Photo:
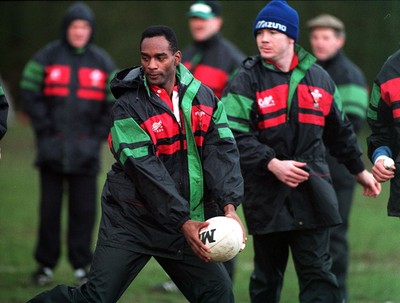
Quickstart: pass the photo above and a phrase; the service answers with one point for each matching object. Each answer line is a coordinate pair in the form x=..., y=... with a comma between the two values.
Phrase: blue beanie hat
x=278, y=15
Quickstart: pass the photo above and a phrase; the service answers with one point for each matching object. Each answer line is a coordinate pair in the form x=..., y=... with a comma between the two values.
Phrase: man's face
x=203, y=29
x=78, y=33
x=273, y=45
x=158, y=62
x=325, y=43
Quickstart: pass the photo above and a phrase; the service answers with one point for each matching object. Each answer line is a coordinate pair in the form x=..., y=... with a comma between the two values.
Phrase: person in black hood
x=78, y=11
x=65, y=93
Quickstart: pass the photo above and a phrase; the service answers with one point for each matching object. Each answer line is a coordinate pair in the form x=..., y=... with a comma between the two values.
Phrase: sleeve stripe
x=129, y=139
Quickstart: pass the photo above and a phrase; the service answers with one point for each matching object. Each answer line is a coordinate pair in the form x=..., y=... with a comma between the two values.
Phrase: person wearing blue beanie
x=285, y=113
x=280, y=16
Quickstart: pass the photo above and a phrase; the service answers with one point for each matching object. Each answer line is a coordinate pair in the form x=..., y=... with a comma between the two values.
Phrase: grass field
x=374, y=240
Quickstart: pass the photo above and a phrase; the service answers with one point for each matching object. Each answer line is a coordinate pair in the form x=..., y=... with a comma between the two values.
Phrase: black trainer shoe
x=81, y=276
x=42, y=276
x=167, y=286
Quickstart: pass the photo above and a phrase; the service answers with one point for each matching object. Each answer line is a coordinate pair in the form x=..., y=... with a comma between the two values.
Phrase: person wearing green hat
x=210, y=57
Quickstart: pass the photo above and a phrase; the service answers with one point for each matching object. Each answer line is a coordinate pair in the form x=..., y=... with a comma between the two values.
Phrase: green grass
x=374, y=240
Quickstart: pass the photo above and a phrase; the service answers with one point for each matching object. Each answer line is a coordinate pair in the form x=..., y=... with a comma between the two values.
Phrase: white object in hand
x=388, y=163
x=224, y=237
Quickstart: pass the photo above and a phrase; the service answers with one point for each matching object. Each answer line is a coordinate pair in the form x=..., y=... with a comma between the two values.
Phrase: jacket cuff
x=179, y=225
x=381, y=152
x=355, y=166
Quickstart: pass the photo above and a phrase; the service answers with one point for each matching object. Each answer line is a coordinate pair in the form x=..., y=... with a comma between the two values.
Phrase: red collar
x=293, y=65
x=162, y=93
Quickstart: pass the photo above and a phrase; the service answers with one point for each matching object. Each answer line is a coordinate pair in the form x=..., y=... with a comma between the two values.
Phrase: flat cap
x=326, y=20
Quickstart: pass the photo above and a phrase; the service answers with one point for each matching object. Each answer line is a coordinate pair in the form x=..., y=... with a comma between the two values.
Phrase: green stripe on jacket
x=32, y=76
x=238, y=112
x=196, y=182
x=354, y=98
x=374, y=101
x=128, y=132
x=221, y=120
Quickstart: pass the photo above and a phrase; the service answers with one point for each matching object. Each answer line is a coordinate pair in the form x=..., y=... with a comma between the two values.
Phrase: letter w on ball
x=207, y=236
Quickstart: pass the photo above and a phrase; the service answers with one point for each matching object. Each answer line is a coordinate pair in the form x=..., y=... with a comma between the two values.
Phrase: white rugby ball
x=224, y=237
x=388, y=163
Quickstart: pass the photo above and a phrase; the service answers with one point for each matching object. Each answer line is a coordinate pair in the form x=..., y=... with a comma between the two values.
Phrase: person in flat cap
x=284, y=109
x=65, y=93
x=327, y=39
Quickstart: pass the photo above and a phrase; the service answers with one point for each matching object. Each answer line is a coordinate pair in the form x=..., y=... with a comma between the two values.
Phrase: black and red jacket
x=352, y=86
x=66, y=95
x=289, y=116
x=213, y=62
x=166, y=171
x=384, y=122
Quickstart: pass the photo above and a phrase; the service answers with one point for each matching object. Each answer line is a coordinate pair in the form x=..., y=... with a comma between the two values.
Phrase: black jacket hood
x=129, y=78
x=81, y=11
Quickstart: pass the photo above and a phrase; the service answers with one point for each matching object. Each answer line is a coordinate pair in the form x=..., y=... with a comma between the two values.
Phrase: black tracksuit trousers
x=82, y=196
x=113, y=270
x=344, y=183
x=312, y=261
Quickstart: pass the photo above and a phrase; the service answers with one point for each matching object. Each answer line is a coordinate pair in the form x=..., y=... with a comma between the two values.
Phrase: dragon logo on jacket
x=200, y=115
x=316, y=96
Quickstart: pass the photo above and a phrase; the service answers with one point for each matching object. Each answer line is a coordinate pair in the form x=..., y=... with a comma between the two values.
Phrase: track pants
x=312, y=262
x=82, y=192
x=113, y=270
x=344, y=184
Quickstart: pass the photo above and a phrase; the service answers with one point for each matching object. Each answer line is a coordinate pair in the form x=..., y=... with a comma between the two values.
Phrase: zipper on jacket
x=68, y=132
x=183, y=182
x=184, y=171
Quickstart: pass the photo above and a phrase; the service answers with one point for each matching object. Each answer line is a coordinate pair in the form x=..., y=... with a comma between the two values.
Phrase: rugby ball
x=223, y=236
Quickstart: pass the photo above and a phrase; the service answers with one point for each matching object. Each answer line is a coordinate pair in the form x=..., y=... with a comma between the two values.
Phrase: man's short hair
x=161, y=30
